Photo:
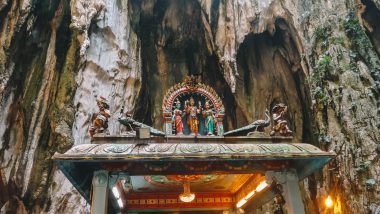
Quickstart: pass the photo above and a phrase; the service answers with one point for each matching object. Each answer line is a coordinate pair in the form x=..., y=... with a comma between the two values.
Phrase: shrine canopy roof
x=174, y=155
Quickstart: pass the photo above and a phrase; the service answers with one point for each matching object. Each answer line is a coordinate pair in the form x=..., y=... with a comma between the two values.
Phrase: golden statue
x=192, y=111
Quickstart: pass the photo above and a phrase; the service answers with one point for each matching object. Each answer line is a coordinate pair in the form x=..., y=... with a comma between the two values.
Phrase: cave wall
x=320, y=57
x=38, y=63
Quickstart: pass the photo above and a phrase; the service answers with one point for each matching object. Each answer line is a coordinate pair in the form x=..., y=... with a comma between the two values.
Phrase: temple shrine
x=194, y=165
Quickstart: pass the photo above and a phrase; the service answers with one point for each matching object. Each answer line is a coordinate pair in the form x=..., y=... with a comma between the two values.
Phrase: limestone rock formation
x=320, y=57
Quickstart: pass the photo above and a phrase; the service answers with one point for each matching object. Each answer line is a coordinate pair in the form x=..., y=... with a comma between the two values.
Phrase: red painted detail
x=181, y=88
x=184, y=177
x=144, y=201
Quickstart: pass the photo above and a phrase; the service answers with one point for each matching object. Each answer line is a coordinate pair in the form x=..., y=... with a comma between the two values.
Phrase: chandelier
x=186, y=196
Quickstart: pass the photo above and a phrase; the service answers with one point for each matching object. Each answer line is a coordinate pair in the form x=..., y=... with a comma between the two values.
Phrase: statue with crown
x=192, y=108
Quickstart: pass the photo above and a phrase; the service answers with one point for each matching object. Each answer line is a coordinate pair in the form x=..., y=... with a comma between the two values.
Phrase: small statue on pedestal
x=192, y=111
x=209, y=119
x=280, y=123
x=100, y=123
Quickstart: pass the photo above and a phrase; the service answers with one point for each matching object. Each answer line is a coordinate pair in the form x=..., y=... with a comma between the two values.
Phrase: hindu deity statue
x=178, y=118
x=209, y=116
x=192, y=111
x=100, y=123
x=280, y=123
x=177, y=104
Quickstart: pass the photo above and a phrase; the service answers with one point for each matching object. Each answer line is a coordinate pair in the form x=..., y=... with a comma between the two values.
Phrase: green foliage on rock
x=362, y=45
x=322, y=32
x=318, y=79
x=363, y=166
x=323, y=63
x=321, y=95
x=338, y=40
x=355, y=31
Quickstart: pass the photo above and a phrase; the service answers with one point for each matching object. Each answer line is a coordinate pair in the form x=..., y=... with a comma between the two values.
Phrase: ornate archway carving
x=202, y=93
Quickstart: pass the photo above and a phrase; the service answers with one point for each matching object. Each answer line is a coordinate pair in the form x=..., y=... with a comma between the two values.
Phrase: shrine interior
x=215, y=189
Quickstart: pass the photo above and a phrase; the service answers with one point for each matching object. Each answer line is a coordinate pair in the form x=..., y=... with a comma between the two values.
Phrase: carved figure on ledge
x=132, y=124
x=177, y=118
x=259, y=125
x=178, y=122
x=100, y=123
x=254, y=127
x=192, y=111
x=209, y=119
x=280, y=123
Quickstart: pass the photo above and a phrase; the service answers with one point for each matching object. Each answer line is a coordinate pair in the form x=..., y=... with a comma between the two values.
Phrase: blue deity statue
x=209, y=119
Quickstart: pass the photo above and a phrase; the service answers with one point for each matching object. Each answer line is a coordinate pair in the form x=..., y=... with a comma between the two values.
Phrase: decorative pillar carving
x=291, y=191
x=113, y=178
x=219, y=122
x=99, y=199
x=127, y=180
x=124, y=177
x=168, y=122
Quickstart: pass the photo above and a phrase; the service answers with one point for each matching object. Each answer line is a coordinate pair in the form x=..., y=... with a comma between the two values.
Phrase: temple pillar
x=291, y=190
x=168, y=117
x=99, y=199
x=219, y=122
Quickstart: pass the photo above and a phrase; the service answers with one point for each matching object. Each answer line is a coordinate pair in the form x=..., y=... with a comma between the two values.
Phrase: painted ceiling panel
x=199, y=183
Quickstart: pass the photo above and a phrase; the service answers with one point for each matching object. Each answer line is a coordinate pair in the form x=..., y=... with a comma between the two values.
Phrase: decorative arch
x=192, y=87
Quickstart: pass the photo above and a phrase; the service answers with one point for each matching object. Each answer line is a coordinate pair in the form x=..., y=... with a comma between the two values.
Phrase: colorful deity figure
x=178, y=118
x=100, y=123
x=192, y=111
x=178, y=122
x=280, y=123
x=209, y=116
x=177, y=104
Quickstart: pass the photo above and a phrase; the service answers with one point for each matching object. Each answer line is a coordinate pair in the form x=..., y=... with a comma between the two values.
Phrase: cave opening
x=174, y=44
x=371, y=17
x=270, y=71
